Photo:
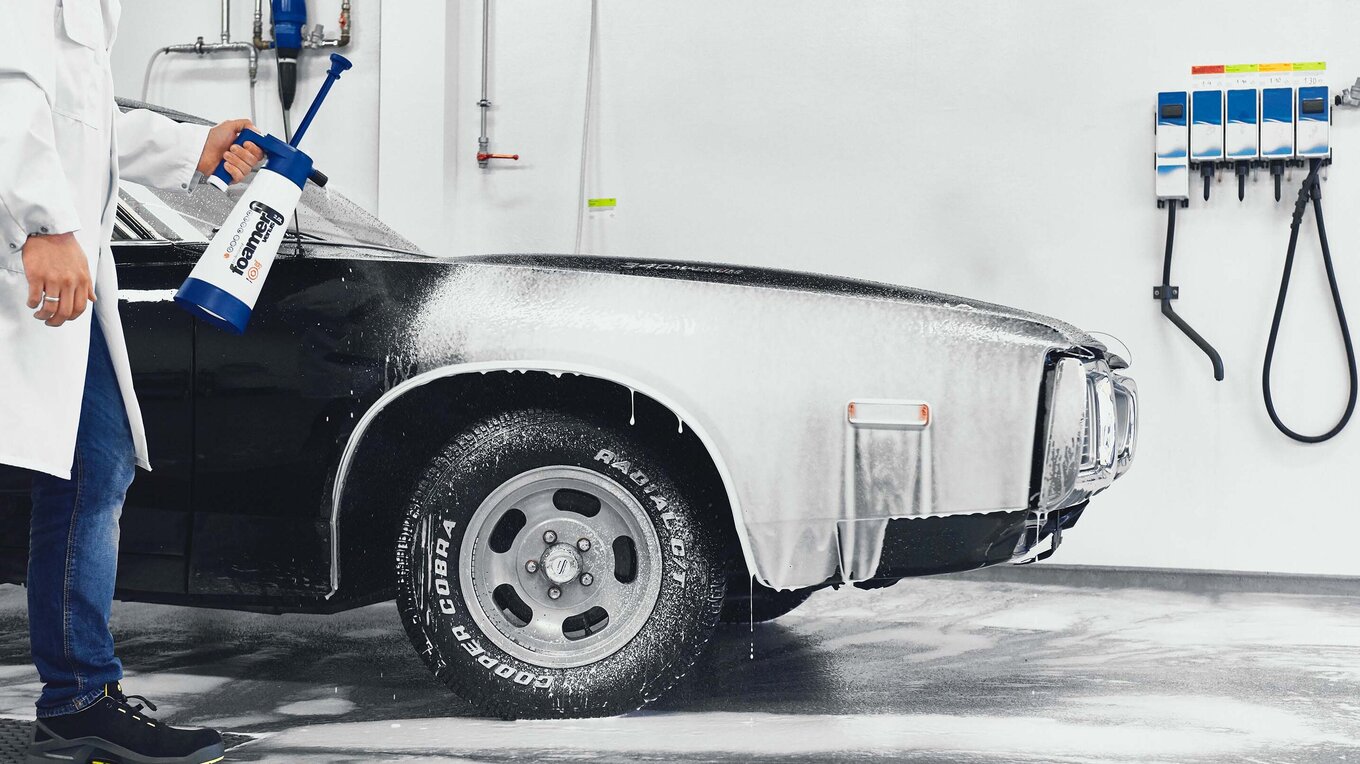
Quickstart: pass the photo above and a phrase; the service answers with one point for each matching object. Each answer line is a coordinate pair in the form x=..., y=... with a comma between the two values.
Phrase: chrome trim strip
x=131, y=214
x=1126, y=403
x=551, y=367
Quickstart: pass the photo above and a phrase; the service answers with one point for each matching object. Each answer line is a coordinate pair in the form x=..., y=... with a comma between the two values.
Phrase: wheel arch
x=386, y=417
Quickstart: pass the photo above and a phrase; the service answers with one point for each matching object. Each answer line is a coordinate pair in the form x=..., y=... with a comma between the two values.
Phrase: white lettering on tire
x=668, y=518
x=466, y=640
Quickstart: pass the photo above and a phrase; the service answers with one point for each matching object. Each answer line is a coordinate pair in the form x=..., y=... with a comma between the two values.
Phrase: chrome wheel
x=560, y=566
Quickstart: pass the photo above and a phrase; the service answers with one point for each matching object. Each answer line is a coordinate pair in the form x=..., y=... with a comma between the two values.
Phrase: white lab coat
x=63, y=143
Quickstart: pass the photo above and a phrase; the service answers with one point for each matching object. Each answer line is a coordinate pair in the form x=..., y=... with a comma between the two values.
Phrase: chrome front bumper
x=1092, y=431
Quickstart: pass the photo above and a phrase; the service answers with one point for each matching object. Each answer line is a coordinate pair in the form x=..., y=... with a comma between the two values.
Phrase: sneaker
x=113, y=730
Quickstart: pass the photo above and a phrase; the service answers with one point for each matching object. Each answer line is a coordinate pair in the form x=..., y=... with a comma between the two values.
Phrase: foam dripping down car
x=567, y=470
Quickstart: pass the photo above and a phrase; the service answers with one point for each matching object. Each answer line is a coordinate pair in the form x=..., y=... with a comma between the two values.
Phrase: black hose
x=1311, y=189
x=1170, y=312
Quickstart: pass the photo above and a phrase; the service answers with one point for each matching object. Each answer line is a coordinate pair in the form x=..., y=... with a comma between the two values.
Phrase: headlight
x=1098, y=431
x=1090, y=432
x=1063, y=433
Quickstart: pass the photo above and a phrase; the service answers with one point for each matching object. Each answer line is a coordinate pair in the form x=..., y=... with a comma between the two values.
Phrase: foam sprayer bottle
x=223, y=287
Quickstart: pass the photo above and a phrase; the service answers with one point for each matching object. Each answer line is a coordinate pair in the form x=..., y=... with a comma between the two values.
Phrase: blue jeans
x=73, y=548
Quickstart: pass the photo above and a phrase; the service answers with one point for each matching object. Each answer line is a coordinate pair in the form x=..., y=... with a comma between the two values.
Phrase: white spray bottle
x=226, y=282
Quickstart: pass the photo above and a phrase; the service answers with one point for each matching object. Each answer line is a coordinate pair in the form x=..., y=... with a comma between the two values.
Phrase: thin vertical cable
x=585, y=126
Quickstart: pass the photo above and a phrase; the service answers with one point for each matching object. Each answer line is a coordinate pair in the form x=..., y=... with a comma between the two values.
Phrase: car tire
x=487, y=621
x=750, y=602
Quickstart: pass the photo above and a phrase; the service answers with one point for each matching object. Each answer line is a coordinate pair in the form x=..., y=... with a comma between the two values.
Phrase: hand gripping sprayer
x=223, y=287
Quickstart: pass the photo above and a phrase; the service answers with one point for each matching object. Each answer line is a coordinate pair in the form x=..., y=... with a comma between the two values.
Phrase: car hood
x=772, y=278
x=1061, y=332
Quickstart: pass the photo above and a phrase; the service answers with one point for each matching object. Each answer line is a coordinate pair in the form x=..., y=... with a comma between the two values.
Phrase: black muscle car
x=555, y=464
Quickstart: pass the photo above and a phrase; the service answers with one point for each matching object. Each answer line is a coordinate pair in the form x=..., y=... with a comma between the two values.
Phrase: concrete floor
x=933, y=670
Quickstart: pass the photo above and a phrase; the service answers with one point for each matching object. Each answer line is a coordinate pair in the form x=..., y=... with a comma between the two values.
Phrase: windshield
x=321, y=215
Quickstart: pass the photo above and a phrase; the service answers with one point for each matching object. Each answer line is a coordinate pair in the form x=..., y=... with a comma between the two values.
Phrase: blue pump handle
x=220, y=177
x=338, y=64
x=281, y=157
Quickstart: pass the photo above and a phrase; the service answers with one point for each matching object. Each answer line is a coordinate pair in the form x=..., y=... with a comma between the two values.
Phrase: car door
x=272, y=409
x=153, y=259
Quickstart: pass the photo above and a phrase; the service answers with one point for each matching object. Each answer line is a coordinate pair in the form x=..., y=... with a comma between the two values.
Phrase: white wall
x=216, y=86
x=986, y=148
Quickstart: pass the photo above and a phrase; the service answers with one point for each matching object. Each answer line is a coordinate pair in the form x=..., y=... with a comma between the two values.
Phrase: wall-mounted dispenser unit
x=1276, y=113
x=1173, y=192
x=1173, y=146
x=1277, y=119
x=1313, y=131
x=1241, y=130
x=1206, y=122
x=1277, y=123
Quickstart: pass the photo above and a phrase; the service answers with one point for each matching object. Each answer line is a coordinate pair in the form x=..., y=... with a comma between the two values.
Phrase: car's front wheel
x=549, y=565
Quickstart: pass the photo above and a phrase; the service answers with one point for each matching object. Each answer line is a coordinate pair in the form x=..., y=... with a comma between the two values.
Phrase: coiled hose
x=1310, y=190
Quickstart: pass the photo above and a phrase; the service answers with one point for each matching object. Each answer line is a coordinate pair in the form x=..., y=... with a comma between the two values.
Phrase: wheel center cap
x=561, y=563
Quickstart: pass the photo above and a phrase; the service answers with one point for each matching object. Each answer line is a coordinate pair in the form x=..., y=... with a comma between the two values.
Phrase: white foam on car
x=146, y=295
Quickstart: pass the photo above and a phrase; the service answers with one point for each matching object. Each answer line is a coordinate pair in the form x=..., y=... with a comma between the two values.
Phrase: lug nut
x=554, y=593
x=549, y=537
x=531, y=566
x=587, y=579
x=583, y=545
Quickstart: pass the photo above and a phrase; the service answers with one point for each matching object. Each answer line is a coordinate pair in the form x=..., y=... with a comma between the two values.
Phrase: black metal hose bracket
x=1165, y=293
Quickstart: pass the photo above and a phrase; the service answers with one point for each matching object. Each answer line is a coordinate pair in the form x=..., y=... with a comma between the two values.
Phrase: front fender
x=550, y=367
x=766, y=373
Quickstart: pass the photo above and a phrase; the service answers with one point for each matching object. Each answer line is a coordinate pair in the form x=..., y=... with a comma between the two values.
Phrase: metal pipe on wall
x=201, y=48
x=258, y=27
x=316, y=39
x=484, y=141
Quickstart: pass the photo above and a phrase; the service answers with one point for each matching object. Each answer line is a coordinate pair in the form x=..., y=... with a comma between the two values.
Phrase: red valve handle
x=482, y=157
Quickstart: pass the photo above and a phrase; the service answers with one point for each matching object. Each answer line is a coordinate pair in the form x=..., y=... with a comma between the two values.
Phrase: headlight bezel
x=1085, y=452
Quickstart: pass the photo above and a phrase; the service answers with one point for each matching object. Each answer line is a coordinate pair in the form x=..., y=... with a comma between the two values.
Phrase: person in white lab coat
x=67, y=407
